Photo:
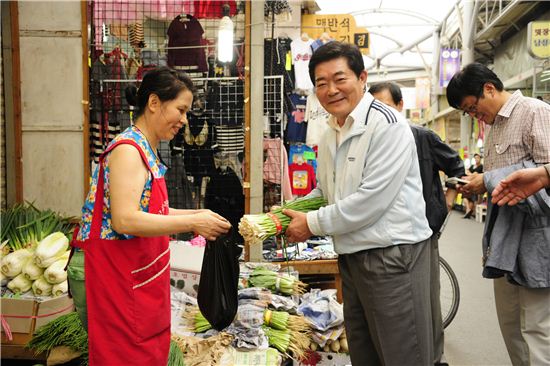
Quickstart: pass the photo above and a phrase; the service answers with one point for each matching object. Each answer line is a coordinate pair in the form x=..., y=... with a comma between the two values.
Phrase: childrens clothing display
x=301, y=152
x=301, y=54
x=317, y=120
x=302, y=178
x=296, y=128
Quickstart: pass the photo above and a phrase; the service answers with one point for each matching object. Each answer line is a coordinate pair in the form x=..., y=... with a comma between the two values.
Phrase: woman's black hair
x=161, y=81
x=334, y=50
x=470, y=81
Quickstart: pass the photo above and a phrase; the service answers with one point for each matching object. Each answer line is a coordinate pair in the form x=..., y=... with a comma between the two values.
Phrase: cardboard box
x=187, y=282
x=186, y=258
x=25, y=316
x=185, y=267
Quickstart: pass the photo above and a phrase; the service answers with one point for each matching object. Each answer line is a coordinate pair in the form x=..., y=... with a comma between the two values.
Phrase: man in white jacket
x=368, y=172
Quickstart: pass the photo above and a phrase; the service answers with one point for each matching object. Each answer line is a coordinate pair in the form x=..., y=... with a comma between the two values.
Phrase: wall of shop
x=3, y=196
x=512, y=58
x=51, y=104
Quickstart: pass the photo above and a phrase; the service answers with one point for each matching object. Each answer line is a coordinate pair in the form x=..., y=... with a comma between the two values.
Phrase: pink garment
x=272, y=166
x=169, y=9
x=198, y=241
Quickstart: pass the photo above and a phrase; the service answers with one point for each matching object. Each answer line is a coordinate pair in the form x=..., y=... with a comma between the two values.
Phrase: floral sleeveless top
x=158, y=169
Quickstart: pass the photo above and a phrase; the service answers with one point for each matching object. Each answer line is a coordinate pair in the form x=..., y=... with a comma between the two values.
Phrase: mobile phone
x=455, y=180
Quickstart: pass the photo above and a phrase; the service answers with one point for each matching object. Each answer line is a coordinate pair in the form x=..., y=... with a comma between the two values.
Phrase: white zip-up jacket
x=371, y=182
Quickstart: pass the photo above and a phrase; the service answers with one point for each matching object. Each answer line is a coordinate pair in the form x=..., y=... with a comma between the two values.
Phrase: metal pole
x=256, y=116
x=468, y=33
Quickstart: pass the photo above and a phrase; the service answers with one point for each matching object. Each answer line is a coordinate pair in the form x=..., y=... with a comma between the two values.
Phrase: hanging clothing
x=278, y=61
x=186, y=31
x=296, y=128
x=180, y=194
x=302, y=178
x=230, y=138
x=198, y=144
x=317, y=120
x=301, y=152
x=301, y=54
x=213, y=9
x=274, y=154
x=116, y=69
x=128, y=321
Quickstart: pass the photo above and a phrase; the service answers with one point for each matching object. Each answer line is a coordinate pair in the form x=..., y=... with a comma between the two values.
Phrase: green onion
x=175, y=357
x=196, y=322
x=282, y=320
x=262, y=226
x=287, y=341
x=67, y=330
x=23, y=226
x=277, y=282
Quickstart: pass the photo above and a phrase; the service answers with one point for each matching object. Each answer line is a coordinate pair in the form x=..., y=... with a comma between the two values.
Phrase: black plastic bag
x=218, y=287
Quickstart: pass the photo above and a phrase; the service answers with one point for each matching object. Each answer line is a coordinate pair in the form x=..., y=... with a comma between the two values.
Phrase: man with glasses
x=519, y=134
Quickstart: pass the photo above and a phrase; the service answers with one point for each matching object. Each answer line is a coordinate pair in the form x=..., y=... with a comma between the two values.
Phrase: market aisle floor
x=473, y=338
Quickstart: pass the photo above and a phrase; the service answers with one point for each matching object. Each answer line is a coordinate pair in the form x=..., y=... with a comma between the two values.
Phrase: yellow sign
x=340, y=27
x=538, y=34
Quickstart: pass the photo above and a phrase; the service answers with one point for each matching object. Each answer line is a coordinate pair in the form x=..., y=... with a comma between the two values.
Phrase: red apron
x=128, y=288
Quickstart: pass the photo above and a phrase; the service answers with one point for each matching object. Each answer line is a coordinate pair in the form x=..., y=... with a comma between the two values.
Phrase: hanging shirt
x=317, y=120
x=230, y=138
x=296, y=129
x=302, y=152
x=274, y=153
x=158, y=169
x=301, y=54
x=302, y=178
x=198, y=144
x=186, y=31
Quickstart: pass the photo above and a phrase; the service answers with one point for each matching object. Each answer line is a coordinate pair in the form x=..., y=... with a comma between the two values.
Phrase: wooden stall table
x=321, y=267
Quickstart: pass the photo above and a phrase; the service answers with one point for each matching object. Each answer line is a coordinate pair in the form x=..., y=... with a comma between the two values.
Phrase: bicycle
x=449, y=292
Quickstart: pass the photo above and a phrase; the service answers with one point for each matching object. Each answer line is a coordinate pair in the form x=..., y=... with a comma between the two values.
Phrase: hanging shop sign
x=449, y=64
x=340, y=27
x=538, y=37
x=422, y=86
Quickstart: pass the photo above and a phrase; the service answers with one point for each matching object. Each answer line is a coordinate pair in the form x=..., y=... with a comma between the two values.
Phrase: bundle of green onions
x=262, y=226
x=67, y=330
x=282, y=320
x=195, y=320
x=278, y=282
x=24, y=225
x=175, y=357
x=288, y=341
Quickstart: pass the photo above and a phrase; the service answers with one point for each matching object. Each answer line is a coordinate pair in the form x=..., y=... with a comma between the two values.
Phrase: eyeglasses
x=471, y=109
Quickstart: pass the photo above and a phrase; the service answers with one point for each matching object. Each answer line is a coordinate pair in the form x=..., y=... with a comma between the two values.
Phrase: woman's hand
x=209, y=224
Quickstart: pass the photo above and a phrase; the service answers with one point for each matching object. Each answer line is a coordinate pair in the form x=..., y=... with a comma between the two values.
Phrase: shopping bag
x=218, y=287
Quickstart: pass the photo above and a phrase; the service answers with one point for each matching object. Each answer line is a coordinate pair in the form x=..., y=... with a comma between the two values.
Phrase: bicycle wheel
x=449, y=292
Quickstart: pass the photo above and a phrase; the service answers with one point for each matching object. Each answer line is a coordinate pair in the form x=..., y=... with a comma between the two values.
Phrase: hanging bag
x=218, y=286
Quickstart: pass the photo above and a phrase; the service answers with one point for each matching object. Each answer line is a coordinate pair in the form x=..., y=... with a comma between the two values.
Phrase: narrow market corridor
x=473, y=338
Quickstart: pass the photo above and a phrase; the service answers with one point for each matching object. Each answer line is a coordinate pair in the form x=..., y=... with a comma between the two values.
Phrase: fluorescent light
x=225, y=40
